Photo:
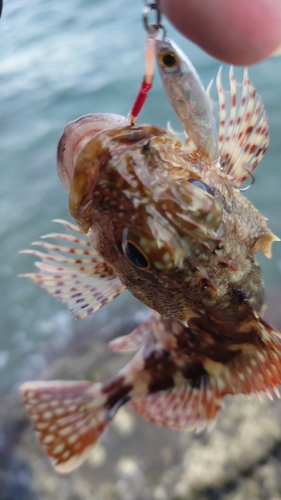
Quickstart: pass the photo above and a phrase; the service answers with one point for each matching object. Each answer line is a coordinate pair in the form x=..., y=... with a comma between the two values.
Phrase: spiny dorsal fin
x=243, y=131
x=181, y=135
x=74, y=273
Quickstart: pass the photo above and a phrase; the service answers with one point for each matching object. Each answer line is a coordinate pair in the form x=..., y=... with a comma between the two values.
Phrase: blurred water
x=59, y=61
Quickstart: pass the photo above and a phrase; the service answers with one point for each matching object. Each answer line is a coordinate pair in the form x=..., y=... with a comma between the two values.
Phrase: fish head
x=149, y=211
x=170, y=58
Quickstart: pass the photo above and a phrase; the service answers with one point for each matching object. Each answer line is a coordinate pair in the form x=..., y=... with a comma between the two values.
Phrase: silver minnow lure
x=187, y=97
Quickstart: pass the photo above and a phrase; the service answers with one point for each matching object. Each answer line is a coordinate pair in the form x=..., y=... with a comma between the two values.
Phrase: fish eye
x=169, y=60
x=135, y=255
x=201, y=185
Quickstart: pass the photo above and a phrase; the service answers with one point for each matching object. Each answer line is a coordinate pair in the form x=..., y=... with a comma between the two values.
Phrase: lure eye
x=169, y=60
x=201, y=185
x=135, y=255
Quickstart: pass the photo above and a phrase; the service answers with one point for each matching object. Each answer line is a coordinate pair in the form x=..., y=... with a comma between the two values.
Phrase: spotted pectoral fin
x=74, y=273
x=243, y=131
x=68, y=418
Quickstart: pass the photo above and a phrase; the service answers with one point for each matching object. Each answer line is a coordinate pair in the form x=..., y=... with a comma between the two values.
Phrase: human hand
x=239, y=32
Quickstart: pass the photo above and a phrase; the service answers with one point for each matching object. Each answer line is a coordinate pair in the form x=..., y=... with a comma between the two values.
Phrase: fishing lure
x=187, y=97
x=168, y=223
x=243, y=133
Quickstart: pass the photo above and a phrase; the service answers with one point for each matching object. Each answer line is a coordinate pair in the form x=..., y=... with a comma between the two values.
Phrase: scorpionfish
x=165, y=219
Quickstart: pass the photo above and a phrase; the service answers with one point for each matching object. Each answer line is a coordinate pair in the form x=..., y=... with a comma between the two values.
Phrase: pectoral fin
x=74, y=273
x=243, y=130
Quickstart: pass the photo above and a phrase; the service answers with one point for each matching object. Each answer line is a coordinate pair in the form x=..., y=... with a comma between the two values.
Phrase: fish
x=187, y=97
x=168, y=223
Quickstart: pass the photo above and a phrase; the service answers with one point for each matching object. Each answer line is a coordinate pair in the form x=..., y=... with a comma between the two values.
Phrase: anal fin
x=183, y=408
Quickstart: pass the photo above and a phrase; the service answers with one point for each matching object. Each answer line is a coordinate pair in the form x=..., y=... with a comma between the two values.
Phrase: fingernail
x=276, y=52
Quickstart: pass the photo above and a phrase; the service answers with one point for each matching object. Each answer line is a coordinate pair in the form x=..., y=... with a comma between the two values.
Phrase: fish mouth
x=75, y=137
x=105, y=148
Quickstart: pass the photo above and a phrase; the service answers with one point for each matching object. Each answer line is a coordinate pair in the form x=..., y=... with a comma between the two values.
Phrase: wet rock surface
x=239, y=458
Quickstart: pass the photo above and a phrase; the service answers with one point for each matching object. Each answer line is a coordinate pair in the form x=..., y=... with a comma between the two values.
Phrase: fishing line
x=153, y=30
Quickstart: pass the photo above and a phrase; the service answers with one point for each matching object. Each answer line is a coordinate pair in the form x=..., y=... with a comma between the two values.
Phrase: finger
x=236, y=31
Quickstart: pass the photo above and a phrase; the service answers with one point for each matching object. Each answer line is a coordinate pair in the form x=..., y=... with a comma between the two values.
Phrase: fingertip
x=235, y=31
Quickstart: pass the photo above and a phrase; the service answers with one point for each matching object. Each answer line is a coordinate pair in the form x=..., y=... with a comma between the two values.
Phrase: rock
x=238, y=458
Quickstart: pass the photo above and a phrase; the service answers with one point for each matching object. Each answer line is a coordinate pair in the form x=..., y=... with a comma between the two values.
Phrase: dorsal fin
x=243, y=131
x=74, y=273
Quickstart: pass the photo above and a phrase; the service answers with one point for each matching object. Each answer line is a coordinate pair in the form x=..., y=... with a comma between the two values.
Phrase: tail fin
x=68, y=417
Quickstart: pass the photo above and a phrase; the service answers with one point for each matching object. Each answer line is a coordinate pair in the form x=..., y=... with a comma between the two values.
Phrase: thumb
x=235, y=31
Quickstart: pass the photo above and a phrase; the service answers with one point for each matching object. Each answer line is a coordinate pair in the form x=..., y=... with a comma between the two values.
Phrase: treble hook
x=247, y=187
x=251, y=183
